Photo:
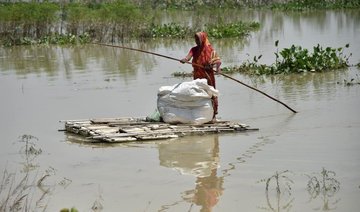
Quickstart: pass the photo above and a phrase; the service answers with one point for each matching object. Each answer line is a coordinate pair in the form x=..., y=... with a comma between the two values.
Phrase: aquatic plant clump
x=350, y=82
x=297, y=60
x=219, y=30
x=172, y=30
x=182, y=74
x=54, y=38
x=239, y=29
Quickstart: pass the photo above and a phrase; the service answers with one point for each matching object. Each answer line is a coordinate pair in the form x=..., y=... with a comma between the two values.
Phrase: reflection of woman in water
x=207, y=191
x=199, y=157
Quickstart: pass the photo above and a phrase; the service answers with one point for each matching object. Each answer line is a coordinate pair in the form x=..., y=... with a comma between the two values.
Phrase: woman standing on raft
x=204, y=55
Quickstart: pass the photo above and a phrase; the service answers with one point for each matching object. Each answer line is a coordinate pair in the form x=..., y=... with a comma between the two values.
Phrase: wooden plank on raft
x=120, y=140
x=128, y=129
x=156, y=137
x=116, y=120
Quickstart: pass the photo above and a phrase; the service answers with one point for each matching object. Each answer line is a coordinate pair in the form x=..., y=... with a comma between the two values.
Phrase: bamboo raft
x=117, y=130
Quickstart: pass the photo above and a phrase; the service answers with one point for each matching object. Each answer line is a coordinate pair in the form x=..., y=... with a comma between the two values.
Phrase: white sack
x=186, y=102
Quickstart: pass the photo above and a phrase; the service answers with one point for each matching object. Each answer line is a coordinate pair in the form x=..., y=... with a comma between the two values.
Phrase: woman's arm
x=217, y=67
x=188, y=57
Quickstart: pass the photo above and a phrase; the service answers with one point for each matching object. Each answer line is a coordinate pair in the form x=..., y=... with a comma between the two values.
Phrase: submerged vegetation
x=278, y=191
x=350, y=82
x=19, y=191
x=28, y=190
x=322, y=187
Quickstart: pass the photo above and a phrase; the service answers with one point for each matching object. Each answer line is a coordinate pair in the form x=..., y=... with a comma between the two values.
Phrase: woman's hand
x=208, y=67
x=218, y=70
x=184, y=60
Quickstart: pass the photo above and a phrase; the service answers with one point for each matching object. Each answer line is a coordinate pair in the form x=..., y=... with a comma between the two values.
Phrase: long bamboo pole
x=227, y=76
x=201, y=66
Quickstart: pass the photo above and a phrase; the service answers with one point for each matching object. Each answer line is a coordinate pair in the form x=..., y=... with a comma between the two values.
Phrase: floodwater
x=307, y=161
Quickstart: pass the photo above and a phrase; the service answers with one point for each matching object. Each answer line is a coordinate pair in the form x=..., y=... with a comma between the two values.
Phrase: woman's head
x=197, y=39
x=201, y=39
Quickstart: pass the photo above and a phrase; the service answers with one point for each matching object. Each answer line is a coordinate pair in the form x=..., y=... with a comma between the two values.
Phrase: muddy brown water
x=274, y=169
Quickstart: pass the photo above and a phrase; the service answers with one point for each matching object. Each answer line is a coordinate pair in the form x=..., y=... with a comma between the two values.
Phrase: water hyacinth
x=173, y=30
x=297, y=60
x=239, y=29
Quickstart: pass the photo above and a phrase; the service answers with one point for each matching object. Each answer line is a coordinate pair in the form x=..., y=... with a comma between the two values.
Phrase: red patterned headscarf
x=205, y=54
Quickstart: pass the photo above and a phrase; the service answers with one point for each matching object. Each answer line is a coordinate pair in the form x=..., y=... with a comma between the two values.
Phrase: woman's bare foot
x=213, y=121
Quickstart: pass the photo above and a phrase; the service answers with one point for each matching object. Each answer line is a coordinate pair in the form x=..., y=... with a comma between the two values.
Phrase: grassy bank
x=70, y=23
x=274, y=4
x=73, y=22
x=27, y=23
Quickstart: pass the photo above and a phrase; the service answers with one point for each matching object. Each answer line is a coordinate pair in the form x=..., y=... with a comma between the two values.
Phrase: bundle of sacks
x=186, y=102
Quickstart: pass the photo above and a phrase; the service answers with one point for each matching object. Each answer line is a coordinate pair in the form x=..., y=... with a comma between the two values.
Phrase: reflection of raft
x=116, y=130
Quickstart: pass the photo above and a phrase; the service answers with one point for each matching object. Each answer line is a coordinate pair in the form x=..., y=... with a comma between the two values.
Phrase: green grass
x=72, y=23
x=282, y=5
x=24, y=23
x=316, y=4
